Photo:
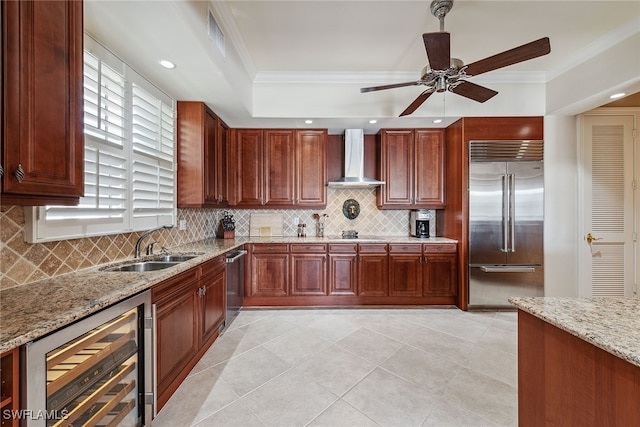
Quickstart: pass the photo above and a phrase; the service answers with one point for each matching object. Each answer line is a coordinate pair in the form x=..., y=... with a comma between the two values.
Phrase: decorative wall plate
x=351, y=209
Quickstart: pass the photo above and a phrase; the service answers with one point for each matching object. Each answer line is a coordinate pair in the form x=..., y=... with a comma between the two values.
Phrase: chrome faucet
x=145, y=234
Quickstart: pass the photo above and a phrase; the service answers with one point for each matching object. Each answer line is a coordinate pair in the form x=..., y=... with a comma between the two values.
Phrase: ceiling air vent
x=215, y=33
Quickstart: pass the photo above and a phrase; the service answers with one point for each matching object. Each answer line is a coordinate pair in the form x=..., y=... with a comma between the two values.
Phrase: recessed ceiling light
x=437, y=121
x=167, y=64
x=617, y=95
x=372, y=121
x=308, y=121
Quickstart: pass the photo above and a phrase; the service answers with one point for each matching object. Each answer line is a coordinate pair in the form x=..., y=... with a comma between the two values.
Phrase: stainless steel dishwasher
x=235, y=284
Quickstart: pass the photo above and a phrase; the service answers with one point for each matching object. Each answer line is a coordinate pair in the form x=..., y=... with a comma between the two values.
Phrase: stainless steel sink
x=143, y=266
x=157, y=263
x=175, y=258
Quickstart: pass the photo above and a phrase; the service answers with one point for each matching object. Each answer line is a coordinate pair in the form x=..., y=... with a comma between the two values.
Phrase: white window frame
x=78, y=221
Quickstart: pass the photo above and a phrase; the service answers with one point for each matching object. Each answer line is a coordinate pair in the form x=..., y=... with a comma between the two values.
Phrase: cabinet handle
x=426, y=260
x=1, y=171
x=19, y=173
x=324, y=259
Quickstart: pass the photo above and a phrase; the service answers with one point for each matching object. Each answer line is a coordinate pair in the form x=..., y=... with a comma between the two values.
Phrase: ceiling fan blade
x=474, y=91
x=391, y=86
x=512, y=56
x=417, y=102
x=438, y=47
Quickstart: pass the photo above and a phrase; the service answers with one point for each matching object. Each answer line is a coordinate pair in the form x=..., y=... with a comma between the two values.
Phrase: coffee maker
x=419, y=221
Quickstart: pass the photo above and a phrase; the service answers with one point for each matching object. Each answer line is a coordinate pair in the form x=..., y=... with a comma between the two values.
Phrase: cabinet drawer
x=344, y=248
x=173, y=284
x=270, y=248
x=306, y=248
x=213, y=265
x=440, y=247
x=375, y=248
x=405, y=248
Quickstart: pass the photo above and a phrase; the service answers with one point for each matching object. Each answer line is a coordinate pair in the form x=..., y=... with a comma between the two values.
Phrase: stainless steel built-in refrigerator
x=505, y=221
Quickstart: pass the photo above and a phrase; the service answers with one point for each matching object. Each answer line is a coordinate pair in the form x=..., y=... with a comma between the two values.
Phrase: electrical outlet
x=296, y=221
x=183, y=224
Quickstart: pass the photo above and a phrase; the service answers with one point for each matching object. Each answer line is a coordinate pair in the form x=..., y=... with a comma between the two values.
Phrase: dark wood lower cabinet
x=405, y=270
x=566, y=381
x=10, y=387
x=351, y=274
x=373, y=271
x=189, y=310
x=269, y=270
x=308, y=269
x=343, y=272
x=176, y=338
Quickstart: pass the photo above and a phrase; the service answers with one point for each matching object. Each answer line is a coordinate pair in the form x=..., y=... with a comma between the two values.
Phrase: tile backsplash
x=22, y=262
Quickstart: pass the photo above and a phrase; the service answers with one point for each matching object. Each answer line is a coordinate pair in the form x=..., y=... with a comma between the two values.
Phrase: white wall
x=560, y=207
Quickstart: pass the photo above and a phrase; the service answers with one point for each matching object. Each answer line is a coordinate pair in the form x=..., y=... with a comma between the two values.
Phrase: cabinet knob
x=19, y=173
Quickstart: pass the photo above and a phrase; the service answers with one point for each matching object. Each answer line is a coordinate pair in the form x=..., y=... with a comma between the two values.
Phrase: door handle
x=590, y=239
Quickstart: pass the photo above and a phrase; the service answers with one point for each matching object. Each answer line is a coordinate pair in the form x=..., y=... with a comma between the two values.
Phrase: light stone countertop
x=32, y=310
x=612, y=324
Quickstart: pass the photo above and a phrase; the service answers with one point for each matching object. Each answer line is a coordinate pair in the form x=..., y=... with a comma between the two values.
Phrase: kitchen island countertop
x=612, y=324
x=32, y=310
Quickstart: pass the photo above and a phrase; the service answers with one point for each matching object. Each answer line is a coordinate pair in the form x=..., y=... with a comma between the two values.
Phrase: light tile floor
x=354, y=367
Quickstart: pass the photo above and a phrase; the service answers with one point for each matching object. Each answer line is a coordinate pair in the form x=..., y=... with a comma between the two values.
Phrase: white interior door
x=607, y=261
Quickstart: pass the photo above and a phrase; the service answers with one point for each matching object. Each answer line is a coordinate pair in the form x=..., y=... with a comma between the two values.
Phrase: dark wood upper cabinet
x=42, y=102
x=202, y=157
x=311, y=167
x=412, y=166
x=279, y=172
x=280, y=168
x=246, y=161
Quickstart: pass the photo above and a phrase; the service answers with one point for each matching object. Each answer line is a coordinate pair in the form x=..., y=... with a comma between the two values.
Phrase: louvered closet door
x=607, y=264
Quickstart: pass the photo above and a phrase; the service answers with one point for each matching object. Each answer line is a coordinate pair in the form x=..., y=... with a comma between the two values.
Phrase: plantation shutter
x=153, y=123
x=129, y=131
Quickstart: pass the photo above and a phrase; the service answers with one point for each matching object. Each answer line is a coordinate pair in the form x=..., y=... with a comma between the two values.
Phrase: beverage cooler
x=93, y=372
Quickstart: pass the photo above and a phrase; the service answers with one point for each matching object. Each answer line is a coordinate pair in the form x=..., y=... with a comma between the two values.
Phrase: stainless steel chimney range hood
x=354, y=163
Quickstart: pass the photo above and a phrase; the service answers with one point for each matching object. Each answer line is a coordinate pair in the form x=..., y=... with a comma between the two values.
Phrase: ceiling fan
x=446, y=73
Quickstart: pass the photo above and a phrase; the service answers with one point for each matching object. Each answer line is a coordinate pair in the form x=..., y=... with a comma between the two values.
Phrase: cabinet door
x=221, y=154
x=9, y=401
x=429, y=168
x=176, y=336
x=279, y=158
x=211, y=192
x=311, y=168
x=373, y=275
x=397, y=170
x=269, y=274
x=405, y=274
x=308, y=274
x=440, y=278
x=342, y=274
x=43, y=102
x=247, y=158
x=213, y=300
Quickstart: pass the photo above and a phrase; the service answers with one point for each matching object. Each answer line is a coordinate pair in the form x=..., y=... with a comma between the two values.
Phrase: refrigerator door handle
x=512, y=212
x=505, y=214
x=507, y=269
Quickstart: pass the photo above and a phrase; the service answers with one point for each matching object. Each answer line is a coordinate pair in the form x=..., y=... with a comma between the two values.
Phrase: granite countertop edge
x=609, y=323
x=33, y=310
